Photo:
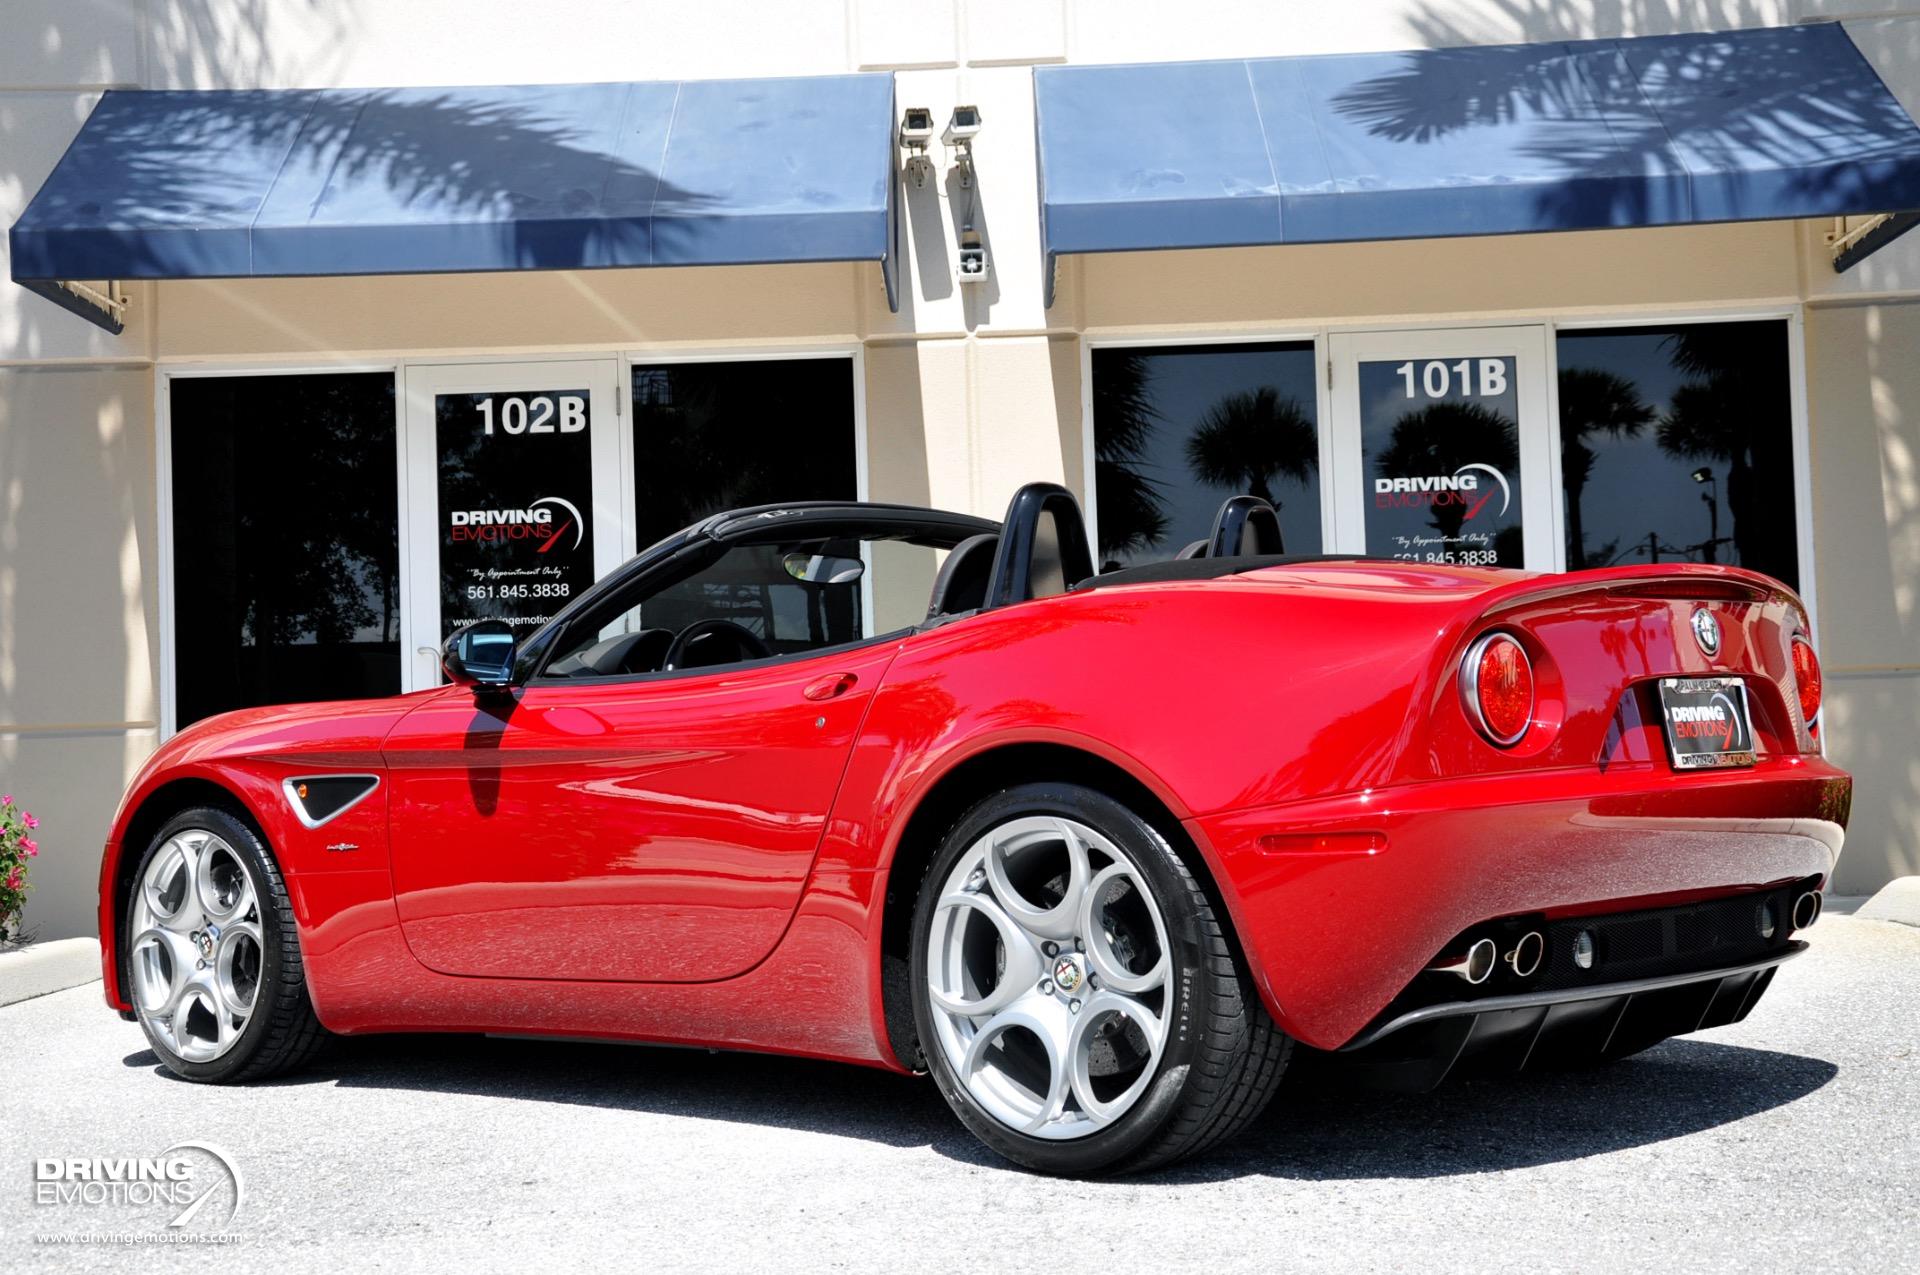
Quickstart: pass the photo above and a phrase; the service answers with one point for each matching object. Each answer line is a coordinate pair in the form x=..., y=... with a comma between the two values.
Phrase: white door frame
x=420, y=622
x=1529, y=345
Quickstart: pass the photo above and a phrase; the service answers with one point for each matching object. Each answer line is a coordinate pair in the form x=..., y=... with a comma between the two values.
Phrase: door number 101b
x=536, y=416
x=1437, y=378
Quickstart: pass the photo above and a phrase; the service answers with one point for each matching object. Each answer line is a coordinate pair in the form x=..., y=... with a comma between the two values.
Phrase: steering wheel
x=713, y=626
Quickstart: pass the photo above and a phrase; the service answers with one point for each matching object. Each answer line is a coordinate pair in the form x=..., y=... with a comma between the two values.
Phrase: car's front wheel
x=213, y=963
x=1079, y=1002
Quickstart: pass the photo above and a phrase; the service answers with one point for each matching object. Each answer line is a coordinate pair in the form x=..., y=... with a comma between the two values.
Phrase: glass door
x=1443, y=449
x=512, y=490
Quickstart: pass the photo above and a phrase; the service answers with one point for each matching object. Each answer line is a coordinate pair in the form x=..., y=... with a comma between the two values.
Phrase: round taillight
x=1806, y=676
x=1496, y=681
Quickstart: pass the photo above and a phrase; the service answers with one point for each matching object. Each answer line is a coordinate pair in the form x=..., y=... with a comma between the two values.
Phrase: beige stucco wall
x=1425, y=281
x=78, y=601
x=1865, y=430
x=969, y=390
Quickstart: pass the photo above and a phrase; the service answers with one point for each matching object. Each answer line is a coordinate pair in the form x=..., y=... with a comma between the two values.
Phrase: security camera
x=963, y=127
x=916, y=127
x=972, y=266
x=916, y=130
x=961, y=130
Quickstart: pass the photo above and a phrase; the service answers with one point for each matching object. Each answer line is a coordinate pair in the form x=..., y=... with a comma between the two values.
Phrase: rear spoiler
x=1676, y=582
x=1695, y=591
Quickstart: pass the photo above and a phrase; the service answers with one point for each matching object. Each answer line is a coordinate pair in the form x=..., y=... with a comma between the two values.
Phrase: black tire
x=283, y=1033
x=1224, y=1055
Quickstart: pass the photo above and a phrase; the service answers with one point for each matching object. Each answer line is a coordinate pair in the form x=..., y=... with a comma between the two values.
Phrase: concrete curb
x=41, y=968
x=1898, y=900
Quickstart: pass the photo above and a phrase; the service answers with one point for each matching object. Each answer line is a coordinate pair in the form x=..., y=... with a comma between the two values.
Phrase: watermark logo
x=191, y=1193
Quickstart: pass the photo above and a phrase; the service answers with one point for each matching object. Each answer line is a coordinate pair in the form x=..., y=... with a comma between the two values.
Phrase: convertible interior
x=743, y=592
x=726, y=600
x=738, y=602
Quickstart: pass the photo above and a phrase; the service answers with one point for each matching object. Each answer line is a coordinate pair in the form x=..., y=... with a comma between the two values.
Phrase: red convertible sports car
x=1100, y=852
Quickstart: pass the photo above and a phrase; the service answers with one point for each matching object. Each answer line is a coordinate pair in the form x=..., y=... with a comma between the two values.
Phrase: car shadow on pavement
x=758, y=1089
x=1317, y=1129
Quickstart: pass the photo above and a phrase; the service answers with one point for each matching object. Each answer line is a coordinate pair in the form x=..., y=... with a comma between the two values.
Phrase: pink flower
x=6, y=801
x=29, y=820
x=31, y=846
x=13, y=879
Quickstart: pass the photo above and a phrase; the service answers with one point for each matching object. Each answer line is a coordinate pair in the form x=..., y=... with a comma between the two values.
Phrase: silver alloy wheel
x=1049, y=976
x=196, y=951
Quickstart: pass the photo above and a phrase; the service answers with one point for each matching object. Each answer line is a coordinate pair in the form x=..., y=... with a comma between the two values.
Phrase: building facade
x=256, y=491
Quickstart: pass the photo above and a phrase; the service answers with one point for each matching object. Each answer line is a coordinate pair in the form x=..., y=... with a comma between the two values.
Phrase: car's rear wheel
x=1079, y=1002
x=213, y=963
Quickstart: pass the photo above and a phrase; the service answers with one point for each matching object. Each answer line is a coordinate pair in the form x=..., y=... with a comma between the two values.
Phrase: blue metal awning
x=194, y=185
x=1779, y=122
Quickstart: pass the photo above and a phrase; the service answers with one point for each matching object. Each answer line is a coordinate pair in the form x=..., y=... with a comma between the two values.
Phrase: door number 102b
x=546, y=414
x=1470, y=378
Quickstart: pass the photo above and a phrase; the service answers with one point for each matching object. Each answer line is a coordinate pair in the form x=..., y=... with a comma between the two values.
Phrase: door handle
x=830, y=686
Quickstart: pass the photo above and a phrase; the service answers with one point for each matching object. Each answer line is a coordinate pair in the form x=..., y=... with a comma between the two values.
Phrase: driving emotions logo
x=193, y=1187
x=1464, y=486
x=1716, y=720
x=548, y=521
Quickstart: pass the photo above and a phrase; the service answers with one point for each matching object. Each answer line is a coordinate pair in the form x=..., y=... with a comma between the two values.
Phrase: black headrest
x=1043, y=546
x=961, y=584
x=1246, y=526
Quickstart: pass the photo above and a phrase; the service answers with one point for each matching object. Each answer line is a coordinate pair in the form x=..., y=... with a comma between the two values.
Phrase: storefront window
x=1676, y=445
x=725, y=435
x=1179, y=429
x=285, y=553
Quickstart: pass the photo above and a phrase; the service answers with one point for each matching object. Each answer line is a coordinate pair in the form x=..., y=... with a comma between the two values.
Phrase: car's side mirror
x=481, y=655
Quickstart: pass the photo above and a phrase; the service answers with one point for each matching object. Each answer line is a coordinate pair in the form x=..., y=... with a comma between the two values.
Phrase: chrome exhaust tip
x=1524, y=960
x=1476, y=967
x=1806, y=909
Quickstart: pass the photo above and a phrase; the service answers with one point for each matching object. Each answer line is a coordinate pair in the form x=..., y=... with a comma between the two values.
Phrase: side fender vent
x=319, y=799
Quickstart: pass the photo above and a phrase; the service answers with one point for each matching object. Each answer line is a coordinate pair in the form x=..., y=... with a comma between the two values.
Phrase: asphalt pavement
x=1788, y=1142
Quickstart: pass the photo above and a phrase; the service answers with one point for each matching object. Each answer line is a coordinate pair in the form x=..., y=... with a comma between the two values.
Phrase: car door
x=637, y=829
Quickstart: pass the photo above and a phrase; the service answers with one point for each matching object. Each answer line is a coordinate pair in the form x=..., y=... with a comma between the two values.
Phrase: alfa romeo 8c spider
x=1101, y=853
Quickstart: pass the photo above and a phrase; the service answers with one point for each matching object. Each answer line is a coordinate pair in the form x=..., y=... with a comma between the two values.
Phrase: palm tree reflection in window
x=1716, y=393
x=1593, y=403
x=1132, y=511
x=1734, y=410
x=1176, y=429
x=1252, y=439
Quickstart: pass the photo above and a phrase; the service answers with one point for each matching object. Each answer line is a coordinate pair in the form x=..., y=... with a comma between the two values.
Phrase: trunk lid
x=1599, y=642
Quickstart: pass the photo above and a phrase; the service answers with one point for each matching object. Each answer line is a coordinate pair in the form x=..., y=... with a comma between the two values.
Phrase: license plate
x=1707, y=722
